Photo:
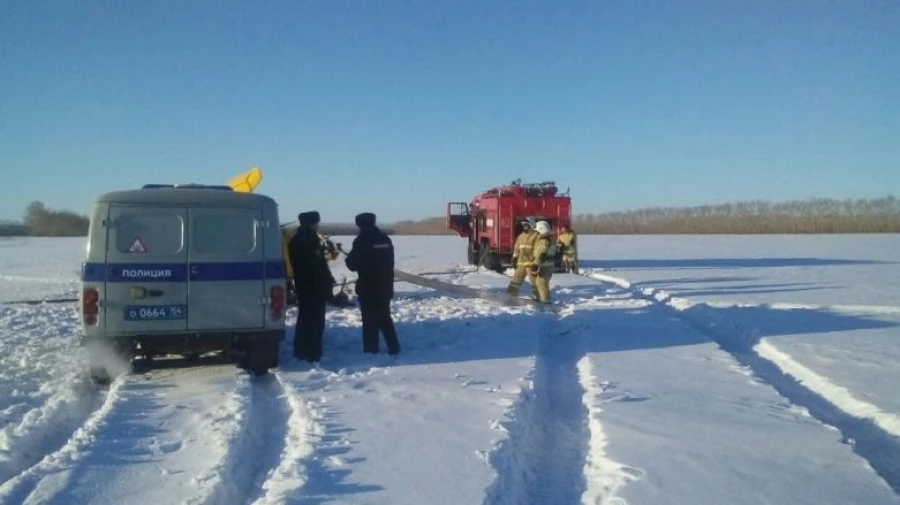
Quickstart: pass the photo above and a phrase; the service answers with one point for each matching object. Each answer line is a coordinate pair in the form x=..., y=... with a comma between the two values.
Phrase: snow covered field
x=685, y=370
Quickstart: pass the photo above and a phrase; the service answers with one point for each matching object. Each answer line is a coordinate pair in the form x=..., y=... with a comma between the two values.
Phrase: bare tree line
x=428, y=226
x=40, y=221
x=13, y=230
x=348, y=229
x=815, y=215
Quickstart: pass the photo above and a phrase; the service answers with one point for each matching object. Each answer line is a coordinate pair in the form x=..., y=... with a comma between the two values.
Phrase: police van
x=183, y=269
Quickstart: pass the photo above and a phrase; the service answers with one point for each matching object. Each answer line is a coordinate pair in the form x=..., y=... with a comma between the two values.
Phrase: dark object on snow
x=341, y=299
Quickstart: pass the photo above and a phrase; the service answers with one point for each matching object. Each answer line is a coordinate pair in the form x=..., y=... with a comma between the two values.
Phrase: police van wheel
x=99, y=375
x=108, y=358
x=262, y=356
x=494, y=263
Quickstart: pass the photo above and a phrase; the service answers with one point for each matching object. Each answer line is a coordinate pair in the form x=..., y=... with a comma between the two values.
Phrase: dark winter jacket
x=312, y=277
x=372, y=258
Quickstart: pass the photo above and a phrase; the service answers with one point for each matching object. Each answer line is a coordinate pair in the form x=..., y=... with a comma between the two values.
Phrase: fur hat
x=365, y=219
x=308, y=218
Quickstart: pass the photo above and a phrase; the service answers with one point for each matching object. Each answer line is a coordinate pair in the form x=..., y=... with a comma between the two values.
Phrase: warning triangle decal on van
x=137, y=245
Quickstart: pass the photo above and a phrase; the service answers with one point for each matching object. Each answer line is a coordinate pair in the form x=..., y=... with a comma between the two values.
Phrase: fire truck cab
x=493, y=219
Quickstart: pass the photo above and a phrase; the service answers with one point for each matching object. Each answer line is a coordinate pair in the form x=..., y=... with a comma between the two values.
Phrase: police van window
x=223, y=234
x=149, y=233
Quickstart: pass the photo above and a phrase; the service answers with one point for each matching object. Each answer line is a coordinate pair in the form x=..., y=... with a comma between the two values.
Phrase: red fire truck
x=493, y=219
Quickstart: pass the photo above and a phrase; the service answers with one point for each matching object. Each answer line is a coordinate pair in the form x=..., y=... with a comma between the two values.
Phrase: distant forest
x=816, y=215
x=39, y=221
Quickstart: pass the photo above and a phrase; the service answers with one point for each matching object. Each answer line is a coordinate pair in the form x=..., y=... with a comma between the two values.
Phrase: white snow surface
x=678, y=369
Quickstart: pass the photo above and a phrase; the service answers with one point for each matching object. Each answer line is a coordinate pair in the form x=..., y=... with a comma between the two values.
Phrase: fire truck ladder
x=509, y=227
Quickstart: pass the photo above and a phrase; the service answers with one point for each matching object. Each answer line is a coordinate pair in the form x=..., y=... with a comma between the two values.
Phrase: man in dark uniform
x=372, y=257
x=313, y=283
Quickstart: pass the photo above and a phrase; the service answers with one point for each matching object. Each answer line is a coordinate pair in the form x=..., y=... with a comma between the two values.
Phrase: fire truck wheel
x=262, y=356
x=108, y=359
x=473, y=253
x=491, y=261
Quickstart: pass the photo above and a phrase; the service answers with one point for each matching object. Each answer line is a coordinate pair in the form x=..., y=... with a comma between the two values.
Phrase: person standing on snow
x=541, y=269
x=522, y=257
x=372, y=257
x=568, y=250
x=313, y=284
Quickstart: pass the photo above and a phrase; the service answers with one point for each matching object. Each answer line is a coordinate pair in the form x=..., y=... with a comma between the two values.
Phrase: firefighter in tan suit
x=568, y=249
x=522, y=257
x=544, y=261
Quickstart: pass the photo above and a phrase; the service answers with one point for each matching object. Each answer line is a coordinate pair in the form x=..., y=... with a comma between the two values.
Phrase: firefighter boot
x=533, y=280
x=516, y=283
x=543, y=285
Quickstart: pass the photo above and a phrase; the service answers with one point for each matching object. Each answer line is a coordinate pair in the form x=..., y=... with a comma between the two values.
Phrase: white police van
x=183, y=269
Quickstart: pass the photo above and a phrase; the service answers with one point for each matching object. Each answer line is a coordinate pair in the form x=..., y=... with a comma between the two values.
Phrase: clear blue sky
x=398, y=107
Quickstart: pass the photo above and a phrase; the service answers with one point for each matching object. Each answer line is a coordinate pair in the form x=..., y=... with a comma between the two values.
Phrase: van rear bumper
x=190, y=342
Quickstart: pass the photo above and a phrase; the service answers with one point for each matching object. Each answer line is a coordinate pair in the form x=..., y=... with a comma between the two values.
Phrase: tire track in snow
x=46, y=428
x=254, y=444
x=543, y=458
x=604, y=477
x=44, y=396
x=17, y=488
x=555, y=448
x=871, y=309
x=870, y=432
x=268, y=447
x=290, y=475
x=200, y=427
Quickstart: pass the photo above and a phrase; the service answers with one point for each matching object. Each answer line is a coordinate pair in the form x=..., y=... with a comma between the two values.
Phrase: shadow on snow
x=607, y=319
x=712, y=263
x=605, y=313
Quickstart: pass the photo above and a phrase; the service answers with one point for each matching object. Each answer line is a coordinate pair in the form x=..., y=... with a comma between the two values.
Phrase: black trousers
x=376, y=318
x=310, y=328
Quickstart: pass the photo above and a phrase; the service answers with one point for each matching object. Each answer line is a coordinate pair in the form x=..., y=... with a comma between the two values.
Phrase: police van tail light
x=276, y=303
x=90, y=306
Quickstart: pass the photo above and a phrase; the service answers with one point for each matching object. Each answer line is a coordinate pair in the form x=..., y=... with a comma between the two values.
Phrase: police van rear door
x=146, y=271
x=226, y=272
